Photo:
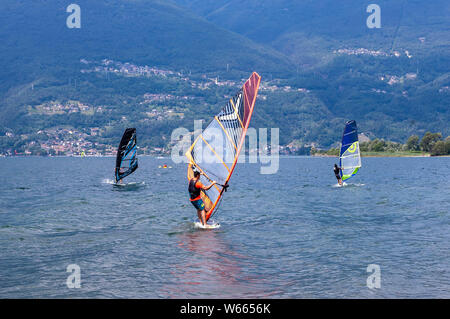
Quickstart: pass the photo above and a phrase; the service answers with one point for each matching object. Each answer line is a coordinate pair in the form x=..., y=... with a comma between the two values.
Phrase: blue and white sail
x=126, y=160
x=350, y=155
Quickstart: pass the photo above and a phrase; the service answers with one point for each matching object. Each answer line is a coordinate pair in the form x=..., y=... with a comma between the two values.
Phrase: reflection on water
x=208, y=265
x=211, y=265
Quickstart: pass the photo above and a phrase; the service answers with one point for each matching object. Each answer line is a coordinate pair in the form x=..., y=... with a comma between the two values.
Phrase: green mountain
x=158, y=65
x=308, y=31
x=394, y=80
x=37, y=42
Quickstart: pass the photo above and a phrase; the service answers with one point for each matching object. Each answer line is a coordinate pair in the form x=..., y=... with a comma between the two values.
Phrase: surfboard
x=213, y=226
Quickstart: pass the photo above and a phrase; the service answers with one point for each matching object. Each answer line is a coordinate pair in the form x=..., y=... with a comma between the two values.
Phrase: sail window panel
x=219, y=140
x=208, y=161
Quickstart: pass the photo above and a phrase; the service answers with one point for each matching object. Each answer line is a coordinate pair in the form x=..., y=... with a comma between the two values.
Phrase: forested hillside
x=157, y=65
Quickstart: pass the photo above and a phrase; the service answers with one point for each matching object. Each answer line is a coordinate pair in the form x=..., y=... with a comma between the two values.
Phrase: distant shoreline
x=386, y=154
x=368, y=154
x=79, y=156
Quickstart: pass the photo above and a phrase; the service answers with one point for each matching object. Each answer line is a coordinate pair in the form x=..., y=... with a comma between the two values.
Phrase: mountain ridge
x=323, y=77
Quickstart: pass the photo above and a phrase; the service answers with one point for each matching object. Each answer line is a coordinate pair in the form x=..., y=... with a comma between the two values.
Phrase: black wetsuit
x=194, y=192
x=336, y=172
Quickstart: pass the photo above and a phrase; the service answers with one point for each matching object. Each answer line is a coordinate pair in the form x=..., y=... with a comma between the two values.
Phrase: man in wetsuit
x=121, y=171
x=337, y=171
x=195, y=187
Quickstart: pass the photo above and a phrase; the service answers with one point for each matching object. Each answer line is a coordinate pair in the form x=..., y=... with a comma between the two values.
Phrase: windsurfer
x=337, y=171
x=195, y=187
x=121, y=171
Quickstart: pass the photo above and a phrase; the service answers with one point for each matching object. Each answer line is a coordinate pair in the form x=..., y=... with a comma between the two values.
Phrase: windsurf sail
x=126, y=160
x=349, y=156
x=216, y=150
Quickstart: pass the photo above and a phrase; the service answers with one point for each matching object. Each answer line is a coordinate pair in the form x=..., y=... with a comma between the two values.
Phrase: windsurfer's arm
x=201, y=186
x=208, y=187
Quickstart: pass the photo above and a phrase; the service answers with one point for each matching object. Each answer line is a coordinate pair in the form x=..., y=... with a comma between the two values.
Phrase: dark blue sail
x=126, y=160
x=349, y=137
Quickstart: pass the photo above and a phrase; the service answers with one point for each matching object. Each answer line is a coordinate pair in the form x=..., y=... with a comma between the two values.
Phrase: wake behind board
x=131, y=184
x=201, y=226
x=343, y=184
x=350, y=185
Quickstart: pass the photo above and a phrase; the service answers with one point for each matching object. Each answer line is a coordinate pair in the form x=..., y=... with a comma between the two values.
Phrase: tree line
x=431, y=143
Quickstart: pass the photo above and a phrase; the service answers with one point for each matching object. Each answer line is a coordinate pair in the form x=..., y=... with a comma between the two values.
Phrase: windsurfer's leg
x=201, y=216
x=203, y=219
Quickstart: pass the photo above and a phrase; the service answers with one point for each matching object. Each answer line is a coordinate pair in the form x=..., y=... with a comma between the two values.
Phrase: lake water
x=293, y=234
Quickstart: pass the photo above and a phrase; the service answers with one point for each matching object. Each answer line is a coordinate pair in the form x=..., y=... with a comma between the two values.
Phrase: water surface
x=293, y=234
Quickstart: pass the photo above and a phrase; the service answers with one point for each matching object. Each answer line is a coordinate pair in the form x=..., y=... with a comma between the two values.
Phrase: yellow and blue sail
x=350, y=155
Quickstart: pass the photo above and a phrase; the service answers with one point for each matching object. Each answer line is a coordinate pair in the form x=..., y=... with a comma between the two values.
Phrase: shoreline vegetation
x=386, y=154
x=431, y=144
x=318, y=155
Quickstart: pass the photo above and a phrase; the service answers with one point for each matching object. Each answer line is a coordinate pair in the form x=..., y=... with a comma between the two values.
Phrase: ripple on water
x=290, y=235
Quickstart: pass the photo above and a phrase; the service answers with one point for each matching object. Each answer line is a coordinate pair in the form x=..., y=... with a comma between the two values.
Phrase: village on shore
x=70, y=141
